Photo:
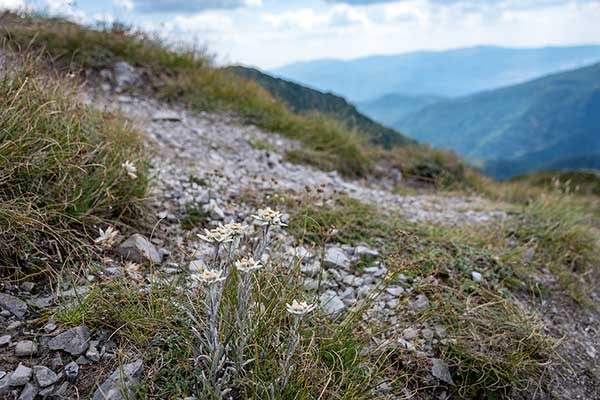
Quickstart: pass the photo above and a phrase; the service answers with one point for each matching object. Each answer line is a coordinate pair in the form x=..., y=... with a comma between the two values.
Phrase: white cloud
x=12, y=4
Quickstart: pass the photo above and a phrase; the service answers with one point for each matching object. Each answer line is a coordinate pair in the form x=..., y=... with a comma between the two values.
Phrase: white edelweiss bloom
x=130, y=169
x=217, y=235
x=268, y=216
x=107, y=237
x=236, y=229
x=300, y=308
x=133, y=271
x=247, y=265
x=208, y=277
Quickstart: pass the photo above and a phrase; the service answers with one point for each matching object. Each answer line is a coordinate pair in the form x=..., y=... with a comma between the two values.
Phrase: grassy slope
x=191, y=78
x=559, y=113
x=60, y=169
x=305, y=100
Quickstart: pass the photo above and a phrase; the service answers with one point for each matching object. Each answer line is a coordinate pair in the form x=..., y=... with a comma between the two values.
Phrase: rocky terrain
x=209, y=162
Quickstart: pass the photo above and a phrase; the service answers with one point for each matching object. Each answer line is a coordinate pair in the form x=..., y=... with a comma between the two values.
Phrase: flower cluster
x=223, y=233
x=247, y=265
x=107, y=237
x=300, y=308
x=268, y=216
x=130, y=169
x=208, y=277
x=220, y=359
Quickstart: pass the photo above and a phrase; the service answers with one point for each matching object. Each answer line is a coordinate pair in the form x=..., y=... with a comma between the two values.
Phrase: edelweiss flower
x=220, y=234
x=268, y=216
x=235, y=229
x=247, y=265
x=300, y=308
x=107, y=237
x=133, y=271
x=130, y=168
x=208, y=277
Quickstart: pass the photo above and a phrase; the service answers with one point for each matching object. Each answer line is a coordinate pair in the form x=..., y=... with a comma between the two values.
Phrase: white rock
x=20, y=376
x=335, y=257
x=26, y=348
x=139, y=249
x=366, y=253
x=395, y=290
x=44, y=376
x=476, y=276
x=331, y=303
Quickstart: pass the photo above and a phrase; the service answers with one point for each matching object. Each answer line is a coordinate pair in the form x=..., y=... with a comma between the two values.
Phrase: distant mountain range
x=448, y=73
x=304, y=100
x=547, y=123
x=391, y=108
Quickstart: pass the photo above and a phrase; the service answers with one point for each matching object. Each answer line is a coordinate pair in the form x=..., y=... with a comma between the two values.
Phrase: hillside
x=551, y=122
x=171, y=230
x=304, y=100
x=447, y=73
x=391, y=108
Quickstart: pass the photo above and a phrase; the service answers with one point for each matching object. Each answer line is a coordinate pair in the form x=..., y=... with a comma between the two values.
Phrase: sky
x=271, y=33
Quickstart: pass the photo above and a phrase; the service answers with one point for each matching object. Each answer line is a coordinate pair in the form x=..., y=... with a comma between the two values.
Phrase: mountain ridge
x=457, y=72
x=527, y=125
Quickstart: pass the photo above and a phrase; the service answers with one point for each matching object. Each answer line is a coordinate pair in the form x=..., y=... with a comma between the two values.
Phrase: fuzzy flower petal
x=247, y=265
x=268, y=216
x=130, y=169
x=300, y=308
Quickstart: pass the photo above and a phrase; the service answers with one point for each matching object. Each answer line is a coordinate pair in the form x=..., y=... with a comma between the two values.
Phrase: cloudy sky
x=269, y=33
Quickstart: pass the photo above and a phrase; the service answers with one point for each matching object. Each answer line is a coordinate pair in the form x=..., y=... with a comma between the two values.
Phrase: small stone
x=50, y=327
x=166, y=116
x=71, y=370
x=57, y=362
x=4, y=340
x=4, y=384
x=440, y=370
x=421, y=303
x=92, y=354
x=14, y=325
x=366, y=253
x=61, y=391
x=47, y=392
x=331, y=303
x=16, y=306
x=410, y=333
x=82, y=360
x=119, y=384
x=20, y=376
x=27, y=286
x=124, y=74
x=29, y=392
x=335, y=257
x=311, y=270
x=311, y=284
x=139, y=249
x=406, y=344
x=476, y=276
x=395, y=291
x=25, y=348
x=44, y=376
x=73, y=341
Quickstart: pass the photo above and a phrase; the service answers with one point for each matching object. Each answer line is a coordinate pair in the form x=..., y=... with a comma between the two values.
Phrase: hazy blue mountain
x=391, y=108
x=305, y=100
x=446, y=73
x=550, y=122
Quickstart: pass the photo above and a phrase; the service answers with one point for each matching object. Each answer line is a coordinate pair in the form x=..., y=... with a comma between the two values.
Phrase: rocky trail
x=211, y=161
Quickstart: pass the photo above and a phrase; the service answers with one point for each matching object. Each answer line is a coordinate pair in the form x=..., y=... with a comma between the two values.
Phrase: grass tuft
x=60, y=169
